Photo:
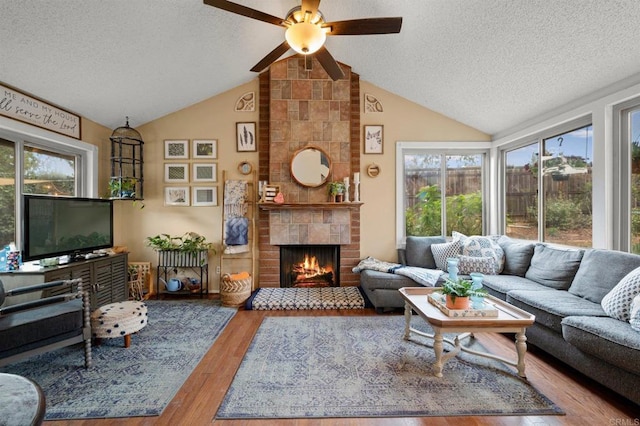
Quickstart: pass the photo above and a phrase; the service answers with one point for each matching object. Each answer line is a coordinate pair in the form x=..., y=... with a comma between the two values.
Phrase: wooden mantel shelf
x=301, y=206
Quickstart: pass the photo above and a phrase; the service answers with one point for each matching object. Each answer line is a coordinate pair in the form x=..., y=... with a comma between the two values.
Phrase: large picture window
x=443, y=192
x=547, y=188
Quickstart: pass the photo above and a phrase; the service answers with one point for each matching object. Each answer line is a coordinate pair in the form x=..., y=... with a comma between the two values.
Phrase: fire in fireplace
x=309, y=266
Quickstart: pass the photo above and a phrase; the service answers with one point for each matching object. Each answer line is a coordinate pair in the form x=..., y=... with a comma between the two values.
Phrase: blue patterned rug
x=277, y=299
x=361, y=367
x=138, y=381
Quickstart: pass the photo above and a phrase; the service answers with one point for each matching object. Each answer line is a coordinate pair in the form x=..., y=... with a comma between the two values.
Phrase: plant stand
x=192, y=263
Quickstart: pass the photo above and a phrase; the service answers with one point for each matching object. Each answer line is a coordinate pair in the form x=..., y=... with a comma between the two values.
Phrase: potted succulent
x=336, y=190
x=458, y=292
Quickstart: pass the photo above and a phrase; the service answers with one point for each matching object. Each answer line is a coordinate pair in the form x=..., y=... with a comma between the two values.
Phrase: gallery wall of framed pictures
x=190, y=174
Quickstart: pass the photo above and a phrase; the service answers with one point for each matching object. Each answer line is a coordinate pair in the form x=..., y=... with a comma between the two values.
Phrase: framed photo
x=373, y=139
x=246, y=137
x=176, y=173
x=204, y=172
x=176, y=195
x=205, y=148
x=176, y=149
x=202, y=196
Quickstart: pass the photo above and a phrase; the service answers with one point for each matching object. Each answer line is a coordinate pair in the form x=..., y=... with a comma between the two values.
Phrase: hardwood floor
x=584, y=401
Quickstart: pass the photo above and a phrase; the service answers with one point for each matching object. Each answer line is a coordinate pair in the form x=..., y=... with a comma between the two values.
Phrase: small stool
x=119, y=319
x=21, y=401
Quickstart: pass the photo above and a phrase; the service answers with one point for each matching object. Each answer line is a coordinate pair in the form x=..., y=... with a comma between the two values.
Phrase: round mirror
x=310, y=166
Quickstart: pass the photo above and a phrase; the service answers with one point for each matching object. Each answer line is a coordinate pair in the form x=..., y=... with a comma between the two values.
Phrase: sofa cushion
x=481, y=246
x=517, y=256
x=593, y=281
x=635, y=313
x=617, y=303
x=604, y=338
x=554, y=267
x=551, y=306
x=499, y=285
x=469, y=264
x=441, y=252
x=418, y=251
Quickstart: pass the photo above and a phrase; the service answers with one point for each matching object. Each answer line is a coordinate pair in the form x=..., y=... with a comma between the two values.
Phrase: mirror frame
x=310, y=184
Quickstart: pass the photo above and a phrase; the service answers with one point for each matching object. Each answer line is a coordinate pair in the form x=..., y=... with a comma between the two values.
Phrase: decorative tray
x=437, y=300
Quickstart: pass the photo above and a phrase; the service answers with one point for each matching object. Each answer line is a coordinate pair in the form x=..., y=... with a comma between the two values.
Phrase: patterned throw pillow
x=443, y=251
x=617, y=303
x=468, y=264
x=479, y=246
x=635, y=313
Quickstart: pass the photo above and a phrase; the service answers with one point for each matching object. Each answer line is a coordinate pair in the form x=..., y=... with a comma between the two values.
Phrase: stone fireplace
x=309, y=266
x=299, y=108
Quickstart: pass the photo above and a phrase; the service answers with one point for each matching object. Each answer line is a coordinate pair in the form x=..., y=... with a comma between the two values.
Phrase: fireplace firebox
x=310, y=266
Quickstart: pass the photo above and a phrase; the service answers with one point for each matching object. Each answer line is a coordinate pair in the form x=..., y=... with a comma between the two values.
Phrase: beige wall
x=215, y=118
x=403, y=120
x=98, y=135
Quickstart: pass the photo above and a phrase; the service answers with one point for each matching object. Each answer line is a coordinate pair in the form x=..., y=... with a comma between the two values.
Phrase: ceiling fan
x=307, y=31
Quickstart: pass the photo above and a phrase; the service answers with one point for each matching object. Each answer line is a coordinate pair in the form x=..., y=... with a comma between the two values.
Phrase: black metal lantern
x=126, y=181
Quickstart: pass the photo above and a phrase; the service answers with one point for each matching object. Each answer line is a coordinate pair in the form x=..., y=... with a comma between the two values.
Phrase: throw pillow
x=479, y=246
x=617, y=303
x=635, y=313
x=443, y=251
x=554, y=267
x=468, y=264
x=517, y=256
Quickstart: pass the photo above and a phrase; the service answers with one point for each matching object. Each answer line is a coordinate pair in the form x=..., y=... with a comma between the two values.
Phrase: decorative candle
x=346, y=181
x=356, y=177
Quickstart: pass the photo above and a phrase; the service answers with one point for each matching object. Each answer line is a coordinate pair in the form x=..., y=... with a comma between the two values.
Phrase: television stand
x=106, y=277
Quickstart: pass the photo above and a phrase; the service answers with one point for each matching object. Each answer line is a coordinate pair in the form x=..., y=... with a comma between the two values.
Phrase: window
x=40, y=164
x=548, y=197
x=442, y=191
x=628, y=177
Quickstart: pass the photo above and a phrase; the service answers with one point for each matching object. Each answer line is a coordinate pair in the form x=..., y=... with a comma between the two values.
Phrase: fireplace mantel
x=302, y=206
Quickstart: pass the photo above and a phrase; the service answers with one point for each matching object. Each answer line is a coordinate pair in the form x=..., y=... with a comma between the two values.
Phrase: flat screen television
x=59, y=226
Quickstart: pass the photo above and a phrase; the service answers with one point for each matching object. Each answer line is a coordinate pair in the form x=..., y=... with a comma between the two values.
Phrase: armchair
x=46, y=323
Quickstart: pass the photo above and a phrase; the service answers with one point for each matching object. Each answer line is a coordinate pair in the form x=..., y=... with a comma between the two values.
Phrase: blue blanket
x=426, y=277
x=236, y=231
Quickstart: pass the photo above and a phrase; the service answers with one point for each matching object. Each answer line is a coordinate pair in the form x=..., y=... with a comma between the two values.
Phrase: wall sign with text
x=21, y=107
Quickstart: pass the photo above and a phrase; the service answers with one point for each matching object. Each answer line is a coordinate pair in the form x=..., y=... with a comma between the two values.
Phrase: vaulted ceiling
x=491, y=64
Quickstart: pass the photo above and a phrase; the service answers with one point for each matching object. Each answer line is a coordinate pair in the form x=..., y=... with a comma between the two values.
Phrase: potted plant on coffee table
x=458, y=292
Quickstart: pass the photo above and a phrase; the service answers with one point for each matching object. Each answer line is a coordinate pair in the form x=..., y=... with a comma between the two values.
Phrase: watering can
x=174, y=284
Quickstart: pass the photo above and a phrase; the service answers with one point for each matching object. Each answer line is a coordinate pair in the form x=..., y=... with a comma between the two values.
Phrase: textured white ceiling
x=491, y=64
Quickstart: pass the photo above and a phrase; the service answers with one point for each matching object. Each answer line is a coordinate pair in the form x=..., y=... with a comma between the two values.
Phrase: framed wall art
x=373, y=139
x=203, y=196
x=176, y=149
x=176, y=173
x=204, y=172
x=176, y=195
x=246, y=137
x=204, y=149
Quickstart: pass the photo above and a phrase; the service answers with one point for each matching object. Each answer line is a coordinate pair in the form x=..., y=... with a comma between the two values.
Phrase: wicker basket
x=235, y=289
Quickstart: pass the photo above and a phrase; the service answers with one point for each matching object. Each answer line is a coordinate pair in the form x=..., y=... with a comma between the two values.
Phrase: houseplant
x=458, y=292
x=122, y=187
x=336, y=190
x=190, y=242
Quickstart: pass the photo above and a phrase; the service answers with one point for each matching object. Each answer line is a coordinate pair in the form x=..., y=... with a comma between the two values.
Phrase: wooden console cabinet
x=107, y=277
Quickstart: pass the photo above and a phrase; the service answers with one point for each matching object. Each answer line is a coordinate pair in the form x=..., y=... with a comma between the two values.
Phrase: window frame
x=622, y=180
x=537, y=137
x=442, y=148
x=22, y=134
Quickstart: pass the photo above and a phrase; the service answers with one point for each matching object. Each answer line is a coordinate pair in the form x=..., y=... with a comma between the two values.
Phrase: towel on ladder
x=236, y=231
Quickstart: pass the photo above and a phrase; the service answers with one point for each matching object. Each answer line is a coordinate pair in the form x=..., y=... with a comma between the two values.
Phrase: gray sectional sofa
x=563, y=288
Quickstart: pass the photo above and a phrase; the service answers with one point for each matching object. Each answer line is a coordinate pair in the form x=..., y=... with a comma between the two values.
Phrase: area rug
x=344, y=367
x=275, y=299
x=138, y=381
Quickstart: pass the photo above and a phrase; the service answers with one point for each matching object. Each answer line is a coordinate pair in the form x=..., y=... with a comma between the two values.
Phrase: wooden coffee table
x=509, y=320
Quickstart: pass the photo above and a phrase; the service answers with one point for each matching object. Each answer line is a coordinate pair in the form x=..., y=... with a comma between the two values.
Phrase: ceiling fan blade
x=365, y=26
x=310, y=6
x=271, y=57
x=329, y=64
x=245, y=11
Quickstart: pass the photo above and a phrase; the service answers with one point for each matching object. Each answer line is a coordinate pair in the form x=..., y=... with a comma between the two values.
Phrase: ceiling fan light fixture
x=305, y=38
